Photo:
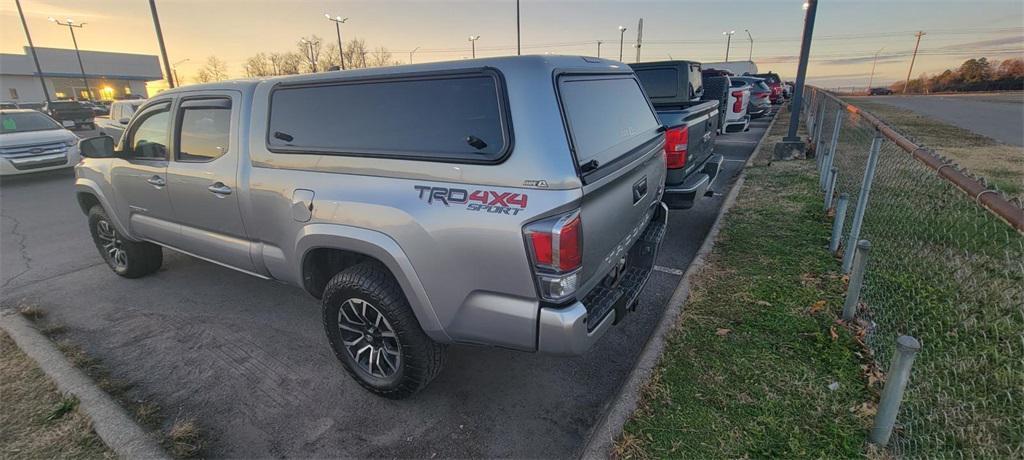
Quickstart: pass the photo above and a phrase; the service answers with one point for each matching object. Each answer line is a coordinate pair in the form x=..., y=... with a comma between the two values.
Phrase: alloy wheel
x=369, y=338
x=112, y=244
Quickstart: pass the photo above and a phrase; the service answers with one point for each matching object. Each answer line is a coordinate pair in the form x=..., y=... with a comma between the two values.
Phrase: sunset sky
x=847, y=32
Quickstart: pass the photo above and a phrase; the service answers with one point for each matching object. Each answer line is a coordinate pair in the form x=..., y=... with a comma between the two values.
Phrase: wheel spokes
x=369, y=338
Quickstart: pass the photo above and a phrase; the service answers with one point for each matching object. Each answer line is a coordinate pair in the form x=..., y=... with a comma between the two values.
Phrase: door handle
x=219, y=189
x=156, y=181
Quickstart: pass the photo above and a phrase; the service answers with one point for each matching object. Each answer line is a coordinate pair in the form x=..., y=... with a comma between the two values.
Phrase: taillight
x=556, y=250
x=676, y=140
x=737, y=106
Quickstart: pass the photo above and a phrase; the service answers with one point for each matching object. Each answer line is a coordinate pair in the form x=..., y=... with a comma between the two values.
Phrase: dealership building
x=110, y=75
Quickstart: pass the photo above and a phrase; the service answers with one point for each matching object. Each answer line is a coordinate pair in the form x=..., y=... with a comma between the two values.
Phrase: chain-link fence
x=946, y=266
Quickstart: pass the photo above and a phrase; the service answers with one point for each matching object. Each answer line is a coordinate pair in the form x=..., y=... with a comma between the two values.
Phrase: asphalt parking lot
x=249, y=361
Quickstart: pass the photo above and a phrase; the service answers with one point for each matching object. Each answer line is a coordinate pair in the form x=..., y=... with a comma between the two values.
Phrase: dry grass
x=182, y=438
x=36, y=421
x=1000, y=164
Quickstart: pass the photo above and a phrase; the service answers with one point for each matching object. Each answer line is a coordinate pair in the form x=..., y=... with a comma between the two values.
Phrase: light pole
x=519, y=50
x=70, y=24
x=750, y=57
x=410, y=53
x=599, y=48
x=728, y=43
x=874, y=62
x=39, y=69
x=622, y=34
x=810, y=10
x=160, y=41
x=174, y=69
x=309, y=47
x=472, y=41
x=338, y=21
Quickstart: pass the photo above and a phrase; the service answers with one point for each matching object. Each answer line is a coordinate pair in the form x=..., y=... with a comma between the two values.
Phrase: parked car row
x=510, y=208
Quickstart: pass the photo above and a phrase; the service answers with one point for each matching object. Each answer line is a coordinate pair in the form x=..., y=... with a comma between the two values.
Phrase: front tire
x=375, y=335
x=130, y=259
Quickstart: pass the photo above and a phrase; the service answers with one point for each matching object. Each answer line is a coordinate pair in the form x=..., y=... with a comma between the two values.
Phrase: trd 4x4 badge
x=476, y=200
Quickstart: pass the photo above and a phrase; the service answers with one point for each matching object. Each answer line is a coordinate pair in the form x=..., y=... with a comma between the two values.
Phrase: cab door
x=203, y=179
x=139, y=176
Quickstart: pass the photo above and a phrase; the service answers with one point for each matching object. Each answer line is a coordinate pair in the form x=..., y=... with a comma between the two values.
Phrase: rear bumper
x=735, y=126
x=574, y=329
x=683, y=196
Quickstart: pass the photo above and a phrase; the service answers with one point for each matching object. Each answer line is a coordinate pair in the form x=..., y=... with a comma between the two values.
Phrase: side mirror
x=123, y=121
x=97, y=147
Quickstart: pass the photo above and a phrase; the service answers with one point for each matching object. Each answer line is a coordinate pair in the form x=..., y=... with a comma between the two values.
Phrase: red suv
x=775, y=83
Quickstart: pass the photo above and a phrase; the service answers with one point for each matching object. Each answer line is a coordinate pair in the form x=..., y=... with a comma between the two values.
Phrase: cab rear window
x=450, y=118
x=659, y=82
x=608, y=116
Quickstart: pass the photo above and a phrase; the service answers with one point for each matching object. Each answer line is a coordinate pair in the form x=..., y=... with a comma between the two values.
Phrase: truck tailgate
x=615, y=211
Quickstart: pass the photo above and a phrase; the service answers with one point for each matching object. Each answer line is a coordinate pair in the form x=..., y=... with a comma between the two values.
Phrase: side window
x=203, y=129
x=452, y=117
x=149, y=135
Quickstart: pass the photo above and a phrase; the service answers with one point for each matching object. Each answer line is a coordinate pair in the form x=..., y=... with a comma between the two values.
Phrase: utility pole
x=728, y=43
x=410, y=53
x=338, y=21
x=160, y=40
x=874, y=62
x=811, y=8
x=472, y=41
x=32, y=48
x=639, y=38
x=519, y=50
x=599, y=48
x=906, y=84
x=70, y=24
x=174, y=69
x=622, y=33
x=750, y=56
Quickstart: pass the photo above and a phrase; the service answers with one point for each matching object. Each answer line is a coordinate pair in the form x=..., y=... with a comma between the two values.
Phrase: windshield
x=20, y=122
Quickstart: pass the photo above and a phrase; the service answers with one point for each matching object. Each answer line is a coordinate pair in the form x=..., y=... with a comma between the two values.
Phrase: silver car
x=511, y=202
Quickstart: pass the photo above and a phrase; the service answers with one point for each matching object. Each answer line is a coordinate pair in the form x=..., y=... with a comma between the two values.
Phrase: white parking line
x=727, y=141
x=670, y=271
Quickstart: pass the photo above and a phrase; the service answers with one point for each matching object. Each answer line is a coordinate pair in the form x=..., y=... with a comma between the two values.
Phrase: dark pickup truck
x=70, y=114
x=675, y=89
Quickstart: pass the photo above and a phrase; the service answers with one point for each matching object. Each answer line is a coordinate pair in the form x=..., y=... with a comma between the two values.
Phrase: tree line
x=310, y=55
x=975, y=74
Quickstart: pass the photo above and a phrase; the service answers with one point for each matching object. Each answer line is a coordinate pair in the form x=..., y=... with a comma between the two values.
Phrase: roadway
x=999, y=116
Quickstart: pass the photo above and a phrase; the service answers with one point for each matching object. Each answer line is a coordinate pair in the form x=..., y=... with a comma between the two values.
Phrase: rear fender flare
x=382, y=248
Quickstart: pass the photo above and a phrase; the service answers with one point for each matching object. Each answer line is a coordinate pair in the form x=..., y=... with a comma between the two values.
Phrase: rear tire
x=375, y=334
x=130, y=259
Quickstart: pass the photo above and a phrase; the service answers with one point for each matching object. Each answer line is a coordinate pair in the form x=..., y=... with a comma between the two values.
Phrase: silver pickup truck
x=512, y=202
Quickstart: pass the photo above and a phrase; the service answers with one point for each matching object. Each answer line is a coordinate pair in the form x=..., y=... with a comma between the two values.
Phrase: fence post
x=835, y=142
x=833, y=174
x=862, y=200
x=817, y=126
x=895, y=383
x=860, y=263
x=837, y=223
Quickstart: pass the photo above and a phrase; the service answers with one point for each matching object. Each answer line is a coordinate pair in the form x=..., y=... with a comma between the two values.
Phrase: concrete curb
x=114, y=426
x=601, y=439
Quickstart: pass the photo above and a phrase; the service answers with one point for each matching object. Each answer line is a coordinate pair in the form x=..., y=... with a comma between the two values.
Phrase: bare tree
x=214, y=70
x=380, y=57
x=355, y=54
x=329, y=57
x=259, y=66
x=285, y=63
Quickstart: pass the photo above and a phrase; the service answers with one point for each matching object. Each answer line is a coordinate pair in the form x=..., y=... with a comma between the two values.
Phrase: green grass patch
x=758, y=365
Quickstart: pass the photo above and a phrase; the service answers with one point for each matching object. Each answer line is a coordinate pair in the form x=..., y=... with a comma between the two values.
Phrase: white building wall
x=28, y=88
